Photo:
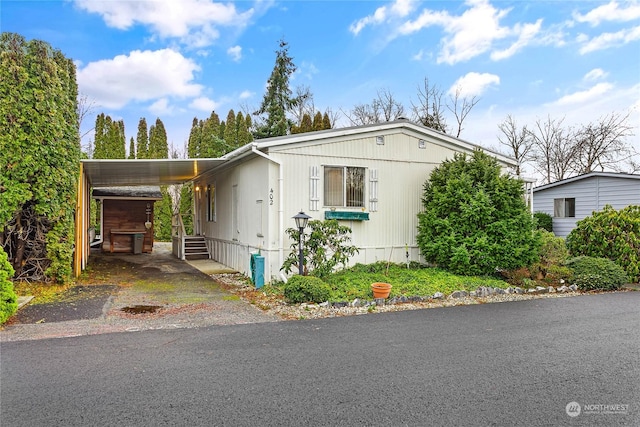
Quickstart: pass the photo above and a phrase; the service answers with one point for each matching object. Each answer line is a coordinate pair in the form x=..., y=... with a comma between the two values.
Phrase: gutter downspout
x=255, y=150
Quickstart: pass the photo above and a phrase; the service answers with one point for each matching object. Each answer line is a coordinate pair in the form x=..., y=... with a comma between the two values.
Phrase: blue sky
x=182, y=59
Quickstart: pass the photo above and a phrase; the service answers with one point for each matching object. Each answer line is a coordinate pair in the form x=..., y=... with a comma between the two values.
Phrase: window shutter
x=373, y=190
x=314, y=182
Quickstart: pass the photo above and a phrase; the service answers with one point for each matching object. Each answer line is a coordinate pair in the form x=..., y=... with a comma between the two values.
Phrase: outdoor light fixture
x=301, y=222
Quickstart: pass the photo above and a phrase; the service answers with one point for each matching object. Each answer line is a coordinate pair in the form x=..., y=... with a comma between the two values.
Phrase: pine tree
x=132, y=149
x=158, y=146
x=326, y=122
x=142, y=139
x=317, y=121
x=278, y=99
x=195, y=139
x=244, y=135
x=230, y=130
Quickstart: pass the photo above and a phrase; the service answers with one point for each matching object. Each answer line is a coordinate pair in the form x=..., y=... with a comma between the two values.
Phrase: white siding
x=401, y=168
x=591, y=194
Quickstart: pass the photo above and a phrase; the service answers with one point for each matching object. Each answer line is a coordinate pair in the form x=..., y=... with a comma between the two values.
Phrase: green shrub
x=610, y=233
x=590, y=273
x=327, y=246
x=8, y=297
x=475, y=219
x=306, y=289
x=544, y=221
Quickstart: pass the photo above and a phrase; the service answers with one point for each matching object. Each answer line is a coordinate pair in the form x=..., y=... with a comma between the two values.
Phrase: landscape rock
x=499, y=291
x=518, y=290
x=379, y=301
x=458, y=294
x=573, y=288
x=542, y=289
x=438, y=295
x=563, y=289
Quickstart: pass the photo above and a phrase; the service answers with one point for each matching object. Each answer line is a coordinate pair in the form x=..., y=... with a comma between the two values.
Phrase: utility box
x=257, y=270
x=138, y=240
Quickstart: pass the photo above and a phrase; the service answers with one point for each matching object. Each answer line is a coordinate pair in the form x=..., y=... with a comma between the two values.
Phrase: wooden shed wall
x=126, y=215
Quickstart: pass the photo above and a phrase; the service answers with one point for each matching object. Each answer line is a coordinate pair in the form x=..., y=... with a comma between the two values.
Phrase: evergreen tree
x=475, y=220
x=244, y=134
x=132, y=149
x=142, y=139
x=278, y=99
x=109, y=140
x=39, y=158
x=326, y=122
x=230, y=130
x=195, y=139
x=317, y=121
x=158, y=146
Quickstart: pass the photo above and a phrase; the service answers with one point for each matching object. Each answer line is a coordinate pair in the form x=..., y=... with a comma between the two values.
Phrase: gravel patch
x=271, y=304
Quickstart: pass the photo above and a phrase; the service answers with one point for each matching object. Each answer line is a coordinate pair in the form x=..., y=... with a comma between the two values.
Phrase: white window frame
x=344, y=186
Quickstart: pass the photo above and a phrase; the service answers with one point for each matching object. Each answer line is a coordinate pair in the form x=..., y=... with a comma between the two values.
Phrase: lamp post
x=301, y=222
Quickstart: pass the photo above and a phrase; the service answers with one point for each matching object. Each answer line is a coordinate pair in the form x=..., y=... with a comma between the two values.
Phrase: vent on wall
x=422, y=143
x=380, y=140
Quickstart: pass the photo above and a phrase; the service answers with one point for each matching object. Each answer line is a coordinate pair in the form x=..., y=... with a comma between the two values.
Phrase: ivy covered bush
x=610, y=233
x=8, y=298
x=591, y=273
x=39, y=158
x=475, y=220
x=306, y=289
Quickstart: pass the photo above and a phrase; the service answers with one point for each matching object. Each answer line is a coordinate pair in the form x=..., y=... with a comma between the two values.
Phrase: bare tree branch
x=518, y=141
x=429, y=111
x=460, y=107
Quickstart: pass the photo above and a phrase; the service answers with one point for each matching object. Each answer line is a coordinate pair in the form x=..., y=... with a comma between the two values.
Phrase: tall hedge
x=610, y=233
x=39, y=154
x=475, y=219
x=8, y=297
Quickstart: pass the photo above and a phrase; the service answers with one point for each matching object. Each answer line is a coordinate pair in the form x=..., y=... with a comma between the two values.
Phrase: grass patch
x=355, y=282
x=231, y=298
x=42, y=292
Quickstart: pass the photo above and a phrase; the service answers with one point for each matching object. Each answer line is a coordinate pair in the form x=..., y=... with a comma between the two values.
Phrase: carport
x=97, y=173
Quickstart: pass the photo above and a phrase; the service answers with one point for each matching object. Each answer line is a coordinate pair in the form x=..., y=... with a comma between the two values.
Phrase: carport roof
x=109, y=172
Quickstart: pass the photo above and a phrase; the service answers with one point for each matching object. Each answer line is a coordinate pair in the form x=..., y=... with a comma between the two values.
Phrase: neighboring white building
x=570, y=200
x=371, y=178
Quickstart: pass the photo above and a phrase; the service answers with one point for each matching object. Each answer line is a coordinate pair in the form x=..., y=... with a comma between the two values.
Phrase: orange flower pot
x=381, y=290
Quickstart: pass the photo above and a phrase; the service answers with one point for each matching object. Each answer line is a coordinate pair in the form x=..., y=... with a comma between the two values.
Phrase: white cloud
x=595, y=74
x=161, y=107
x=474, y=84
x=610, y=12
x=194, y=22
x=474, y=32
x=235, y=52
x=526, y=33
x=608, y=40
x=246, y=94
x=204, y=104
x=418, y=56
x=397, y=9
x=584, y=96
x=139, y=76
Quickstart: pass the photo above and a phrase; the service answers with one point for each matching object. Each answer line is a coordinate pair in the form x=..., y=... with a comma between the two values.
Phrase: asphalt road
x=518, y=363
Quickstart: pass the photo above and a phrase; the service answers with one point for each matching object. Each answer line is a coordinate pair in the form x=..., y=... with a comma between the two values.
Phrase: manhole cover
x=141, y=309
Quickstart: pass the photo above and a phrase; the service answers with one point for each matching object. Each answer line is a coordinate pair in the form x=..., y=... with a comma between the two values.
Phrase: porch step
x=195, y=247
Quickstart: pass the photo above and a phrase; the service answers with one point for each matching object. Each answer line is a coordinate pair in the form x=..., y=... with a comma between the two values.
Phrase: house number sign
x=271, y=197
